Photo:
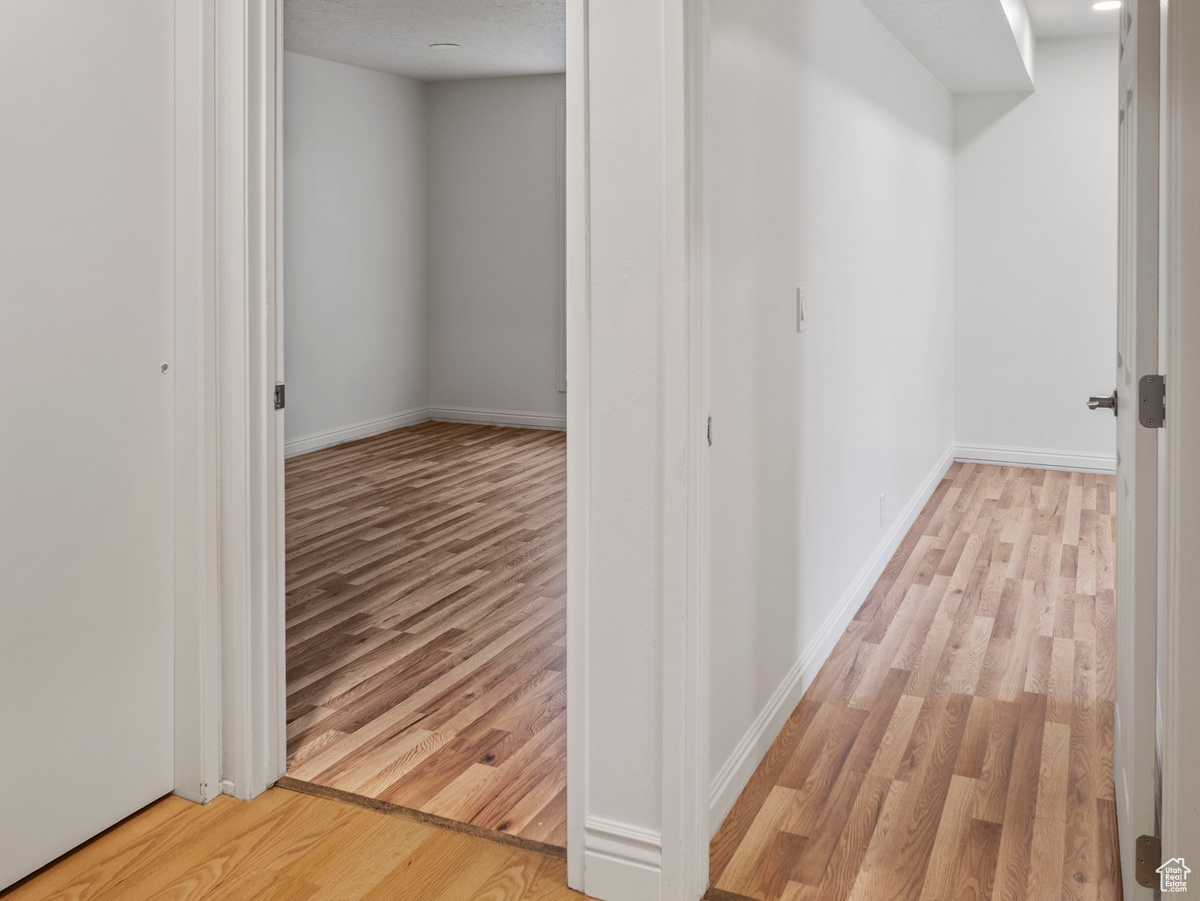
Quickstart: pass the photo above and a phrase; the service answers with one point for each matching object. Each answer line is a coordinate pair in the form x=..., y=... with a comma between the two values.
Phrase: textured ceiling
x=1066, y=18
x=497, y=37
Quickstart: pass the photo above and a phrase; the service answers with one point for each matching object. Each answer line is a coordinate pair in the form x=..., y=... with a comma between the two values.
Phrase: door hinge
x=1147, y=859
x=708, y=432
x=279, y=397
x=1152, y=401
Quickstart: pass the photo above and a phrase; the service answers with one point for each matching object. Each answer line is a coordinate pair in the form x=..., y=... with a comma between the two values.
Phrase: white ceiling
x=497, y=37
x=1068, y=18
x=975, y=45
x=968, y=45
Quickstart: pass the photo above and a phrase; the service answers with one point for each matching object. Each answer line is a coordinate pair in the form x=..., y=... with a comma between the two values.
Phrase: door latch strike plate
x=1152, y=401
x=279, y=397
x=1148, y=858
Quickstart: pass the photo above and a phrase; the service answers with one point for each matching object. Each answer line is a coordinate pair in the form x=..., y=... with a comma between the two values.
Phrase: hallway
x=958, y=742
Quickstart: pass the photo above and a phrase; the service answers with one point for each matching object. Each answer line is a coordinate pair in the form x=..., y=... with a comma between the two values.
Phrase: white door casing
x=576, y=350
x=1179, y=672
x=197, y=560
x=249, y=429
x=250, y=495
x=1134, y=766
x=86, y=406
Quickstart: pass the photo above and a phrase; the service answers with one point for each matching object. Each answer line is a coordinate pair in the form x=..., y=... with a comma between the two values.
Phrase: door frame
x=248, y=120
x=577, y=363
x=678, y=850
x=197, y=559
x=230, y=714
x=1179, y=612
x=686, y=789
x=230, y=677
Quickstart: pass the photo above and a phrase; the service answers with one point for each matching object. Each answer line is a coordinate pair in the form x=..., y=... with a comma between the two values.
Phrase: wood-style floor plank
x=288, y=845
x=958, y=743
x=426, y=623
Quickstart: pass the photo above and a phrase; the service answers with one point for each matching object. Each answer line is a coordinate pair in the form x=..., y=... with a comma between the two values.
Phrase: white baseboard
x=1036, y=458
x=621, y=862
x=498, y=417
x=422, y=414
x=352, y=432
x=731, y=779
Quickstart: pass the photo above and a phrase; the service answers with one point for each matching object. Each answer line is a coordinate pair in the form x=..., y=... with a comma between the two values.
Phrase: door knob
x=1108, y=403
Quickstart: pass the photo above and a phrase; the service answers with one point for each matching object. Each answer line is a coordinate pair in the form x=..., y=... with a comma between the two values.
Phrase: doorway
x=425, y=482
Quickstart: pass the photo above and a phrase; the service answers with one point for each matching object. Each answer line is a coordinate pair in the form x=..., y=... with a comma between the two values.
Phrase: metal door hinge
x=708, y=431
x=1152, y=401
x=279, y=397
x=1147, y=859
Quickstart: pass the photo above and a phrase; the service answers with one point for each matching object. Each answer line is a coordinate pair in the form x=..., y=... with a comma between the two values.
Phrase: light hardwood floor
x=426, y=623
x=958, y=743
x=284, y=845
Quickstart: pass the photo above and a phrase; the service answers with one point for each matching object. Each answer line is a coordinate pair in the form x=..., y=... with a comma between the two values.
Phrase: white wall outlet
x=801, y=309
x=882, y=508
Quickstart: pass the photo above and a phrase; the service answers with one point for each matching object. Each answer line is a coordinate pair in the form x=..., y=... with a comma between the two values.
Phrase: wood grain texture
x=417, y=816
x=957, y=746
x=286, y=845
x=426, y=623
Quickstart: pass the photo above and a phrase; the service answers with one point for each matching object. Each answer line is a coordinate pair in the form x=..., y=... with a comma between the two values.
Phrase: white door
x=86, y=298
x=1137, y=447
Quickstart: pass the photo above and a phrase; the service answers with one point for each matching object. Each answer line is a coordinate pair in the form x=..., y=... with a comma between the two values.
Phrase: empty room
x=425, y=409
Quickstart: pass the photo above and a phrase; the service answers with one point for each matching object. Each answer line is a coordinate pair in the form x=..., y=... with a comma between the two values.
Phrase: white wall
x=1035, y=262
x=495, y=224
x=355, y=253
x=615, y=441
x=423, y=251
x=829, y=164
